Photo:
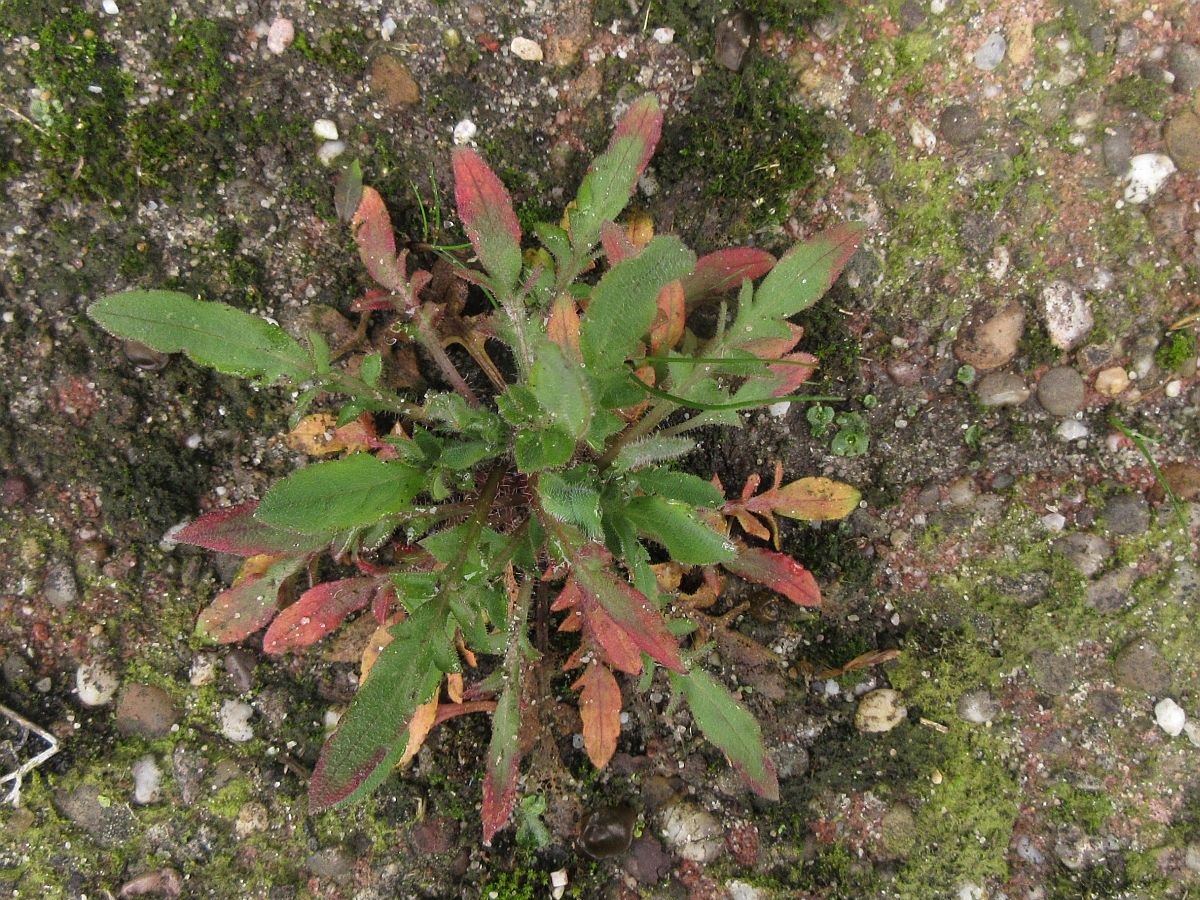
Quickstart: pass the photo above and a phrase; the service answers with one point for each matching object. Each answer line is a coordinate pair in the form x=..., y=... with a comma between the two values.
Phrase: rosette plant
x=534, y=462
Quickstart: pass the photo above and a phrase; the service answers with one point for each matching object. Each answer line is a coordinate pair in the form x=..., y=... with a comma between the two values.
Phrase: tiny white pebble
x=1054, y=521
x=1170, y=716
x=1174, y=388
x=779, y=410
x=110, y=7
x=465, y=131
x=325, y=129
x=329, y=151
x=524, y=48
x=664, y=35
x=387, y=28
x=1072, y=430
x=280, y=35
x=234, y=719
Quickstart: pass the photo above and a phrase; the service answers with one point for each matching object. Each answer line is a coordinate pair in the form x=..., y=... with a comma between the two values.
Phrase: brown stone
x=392, y=83
x=989, y=340
x=146, y=711
x=1183, y=141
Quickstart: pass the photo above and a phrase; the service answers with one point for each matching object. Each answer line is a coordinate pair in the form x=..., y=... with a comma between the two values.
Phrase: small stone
x=464, y=132
x=922, y=136
x=325, y=129
x=1170, y=716
x=898, y=831
x=145, y=358
x=1146, y=175
x=109, y=823
x=59, y=588
x=608, y=830
x=146, y=710
x=879, y=711
x=1061, y=391
x=96, y=683
x=978, y=707
x=1020, y=42
x=1183, y=479
x=990, y=338
x=387, y=28
x=1067, y=313
x=1052, y=673
x=234, y=720
x=1191, y=728
x=912, y=15
x=1140, y=666
x=1002, y=389
x=252, y=818
x=329, y=151
x=646, y=861
x=1183, y=141
x=1110, y=592
x=991, y=52
x=280, y=35
x=1192, y=856
x=203, y=670
x=333, y=863
x=959, y=124
x=1127, y=514
x=1072, y=430
x=1184, y=64
x=693, y=833
x=526, y=49
x=239, y=665
x=110, y=8
x=1086, y=551
x=165, y=882
x=1112, y=381
x=1054, y=521
x=664, y=35
x=733, y=37
x=1117, y=148
x=147, y=780
x=392, y=83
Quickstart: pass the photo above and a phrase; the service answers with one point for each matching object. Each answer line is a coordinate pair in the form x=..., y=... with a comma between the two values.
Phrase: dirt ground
x=1016, y=343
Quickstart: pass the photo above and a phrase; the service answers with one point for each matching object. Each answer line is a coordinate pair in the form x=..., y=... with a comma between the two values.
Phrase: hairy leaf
x=342, y=493
x=377, y=242
x=503, y=762
x=651, y=450
x=542, y=448
x=348, y=191
x=487, y=213
x=211, y=334
x=250, y=604
x=575, y=504
x=561, y=390
x=235, y=530
x=627, y=611
x=730, y=728
x=373, y=733
x=777, y=571
x=625, y=300
x=691, y=489
x=725, y=270
x=317, y=612
x=600, y=710
x=675, y=526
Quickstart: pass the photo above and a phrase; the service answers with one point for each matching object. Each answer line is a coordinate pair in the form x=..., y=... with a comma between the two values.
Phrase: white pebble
x=937, y=7
x=1170, y=716
x=558, y=883
x=524, y=48
x=664, y=35
x=1054, y=521
x=329, y=151
x=1174, y=388
x=1072, y=430
x=203, y=670
x=234, y=720
x=1148, y=172
x=465, y=131
x=387, y=28
x=922, y=136
x=147, y=780
x=325, y=129
x=280, y=35
x=1192, y=729
x=779, y=410
x=110, y=7
x=96, y=683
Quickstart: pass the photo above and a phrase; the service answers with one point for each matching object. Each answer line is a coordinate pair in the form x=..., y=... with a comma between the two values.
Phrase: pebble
x=96, y=683
x=991, y=52
x=59, y=588
x=693, y=833
x=392, y=83
x=109, y=824
x=1127, y=514
x=922, y=136
x=1067, y=314
x=145, y=358
x=325, y=129
x=879, y=711
x=526, y=49
x=646, y=861
x=608, y=830
x=1184, y=64
x=978, y=707
x=663, y=35
x=1054, y=521
x=1020, y=42
x=147, y=780
x=203, y=670
x=280, y=35
x=234, y=721
x=464, y=132
x=1086, y=551
x=1170, y=716
x=959, y=124
x=990, y=339
x=1002, y=389
x=1052, y=673
x=165, y=882
x=1110, y=592
x=1072, y=430
x=741, y=890
x=1061, y=391
x=1183, y=479
x=733, y=37
x=1192, y=729
x=1146, y=175
x=110, y=7
x=1140, y=666
x=333, y=863
x=1183, y=141
x=145, y=710
x=1117, y=149
x=252, y=818
x=1112, y=381
x=329, y=151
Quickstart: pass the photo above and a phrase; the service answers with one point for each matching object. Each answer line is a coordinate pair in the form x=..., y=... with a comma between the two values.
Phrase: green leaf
x=467, y=455
x=503, y=760
x=347, y=191
x=211, y=334
x=342, y=493
x=372, y=368
x=372, y=735
x=691, y=489
x=730, y=728
x=675, y=526
x=575, y=504
x=624, y=301
x=561, y=390
x=544, y=448
x=650, y=450
x=487, y=213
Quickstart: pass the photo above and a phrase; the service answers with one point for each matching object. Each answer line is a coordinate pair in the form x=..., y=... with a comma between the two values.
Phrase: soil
x=1026, y=580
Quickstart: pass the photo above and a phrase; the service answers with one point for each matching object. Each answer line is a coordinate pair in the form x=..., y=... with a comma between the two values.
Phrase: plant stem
x=346, y=383
x=433, y=346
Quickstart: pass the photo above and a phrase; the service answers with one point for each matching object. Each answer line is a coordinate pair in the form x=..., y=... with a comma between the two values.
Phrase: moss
x=1090, y=810
x=340, y=49
x=1179, y=348
x=1145, y=95
x=694, y=20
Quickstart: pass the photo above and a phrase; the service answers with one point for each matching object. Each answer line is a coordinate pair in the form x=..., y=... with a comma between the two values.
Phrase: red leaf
x=616, y=646
x=241, y=610
x=504, y=763
x=376, y=242
x=724, y=270
x=776, y=348
x=777, y=571
x=617, y=246
x=667, y=329
x=600, y=709
x=628, y=616
x=644, y=120
x=318, y=611
x=799, y=368
x=235, y=530
x=487, y=214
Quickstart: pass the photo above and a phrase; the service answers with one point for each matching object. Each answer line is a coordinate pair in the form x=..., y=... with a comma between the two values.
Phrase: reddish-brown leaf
x=775, y=348
x=777, y=571
x=600, y=709
x=318, y=611
x=725, y=270
x=615, y=645
x=488, y=217
x=377, y=243
x=814, y=499
x=235, y=530
x=616, y=243
x=644, y=120
x=563, y=326
x=250, y=604
x=503, y=763
x=797, y=369
x=627, y=613
x=667, y=329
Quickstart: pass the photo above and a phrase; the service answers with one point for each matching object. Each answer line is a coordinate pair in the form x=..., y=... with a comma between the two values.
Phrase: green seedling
x=522, y=475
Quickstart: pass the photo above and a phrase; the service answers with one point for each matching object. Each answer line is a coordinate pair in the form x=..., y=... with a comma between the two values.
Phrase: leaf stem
x=433, y=346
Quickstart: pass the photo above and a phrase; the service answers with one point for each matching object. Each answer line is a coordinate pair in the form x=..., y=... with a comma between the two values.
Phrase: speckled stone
x=146, y=711
x=1002, y=389
x=879, y=711
x=959, y=124
x=1127, y=514
x=1061, y=391
x=1182, y=135
x=1140, y=666
x=1184, y=64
